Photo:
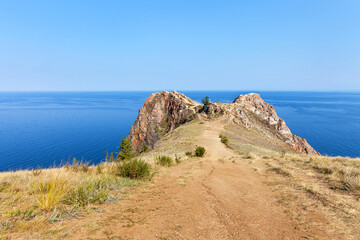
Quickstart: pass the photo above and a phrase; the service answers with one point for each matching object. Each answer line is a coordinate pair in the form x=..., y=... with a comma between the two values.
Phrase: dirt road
x=214, y=197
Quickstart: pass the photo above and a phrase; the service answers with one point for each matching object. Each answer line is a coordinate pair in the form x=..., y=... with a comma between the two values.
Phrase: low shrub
x=200, y=151
x=134, y=168
x=188, y=154
x=224, y=139
x=164, y=161
x=86, y=193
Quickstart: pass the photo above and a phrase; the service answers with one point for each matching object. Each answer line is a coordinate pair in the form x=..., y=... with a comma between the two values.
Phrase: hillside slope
x=165, y=111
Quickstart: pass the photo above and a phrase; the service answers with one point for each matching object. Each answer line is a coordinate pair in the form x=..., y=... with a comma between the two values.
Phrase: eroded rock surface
x=162, y=112
x=253, y=103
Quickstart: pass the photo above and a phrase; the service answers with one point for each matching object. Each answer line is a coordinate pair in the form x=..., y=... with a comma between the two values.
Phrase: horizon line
x=182, y=90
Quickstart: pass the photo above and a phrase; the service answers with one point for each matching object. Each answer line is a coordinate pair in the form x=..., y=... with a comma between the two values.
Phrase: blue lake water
x=43, y=129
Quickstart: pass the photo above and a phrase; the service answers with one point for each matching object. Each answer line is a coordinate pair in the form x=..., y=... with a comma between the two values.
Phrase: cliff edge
x=164, y=111
x=161, y=113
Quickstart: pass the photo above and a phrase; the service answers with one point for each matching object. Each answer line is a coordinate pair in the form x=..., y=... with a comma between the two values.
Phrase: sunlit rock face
x=252, y=102
x=162, y=112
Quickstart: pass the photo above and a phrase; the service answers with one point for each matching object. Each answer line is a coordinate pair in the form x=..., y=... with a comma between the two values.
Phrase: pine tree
x=126, y=150
x=206, y=101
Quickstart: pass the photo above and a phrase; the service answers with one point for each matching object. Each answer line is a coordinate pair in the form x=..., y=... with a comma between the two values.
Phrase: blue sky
x=87, y=45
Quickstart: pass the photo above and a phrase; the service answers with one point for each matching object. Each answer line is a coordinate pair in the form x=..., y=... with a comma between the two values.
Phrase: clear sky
x=179, y=44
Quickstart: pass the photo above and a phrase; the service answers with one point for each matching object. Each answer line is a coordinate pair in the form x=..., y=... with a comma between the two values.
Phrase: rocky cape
x=164, y=111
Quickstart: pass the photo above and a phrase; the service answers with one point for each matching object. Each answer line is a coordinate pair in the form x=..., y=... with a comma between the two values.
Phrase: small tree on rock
x=205, y=101
x=126, y=150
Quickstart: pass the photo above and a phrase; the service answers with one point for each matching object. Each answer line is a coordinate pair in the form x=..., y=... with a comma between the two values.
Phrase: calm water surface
x=50, y=128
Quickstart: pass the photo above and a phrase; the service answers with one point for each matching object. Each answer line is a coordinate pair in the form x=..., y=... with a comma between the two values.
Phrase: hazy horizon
x=181, y=90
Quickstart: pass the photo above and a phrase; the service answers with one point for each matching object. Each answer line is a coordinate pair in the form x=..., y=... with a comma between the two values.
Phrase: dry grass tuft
x=51, y=191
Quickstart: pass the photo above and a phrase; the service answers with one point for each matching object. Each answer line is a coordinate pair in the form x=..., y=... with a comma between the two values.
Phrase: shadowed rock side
x=162, y=112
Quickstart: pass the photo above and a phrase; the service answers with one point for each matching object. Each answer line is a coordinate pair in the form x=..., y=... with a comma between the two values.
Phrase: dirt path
x=215, y=197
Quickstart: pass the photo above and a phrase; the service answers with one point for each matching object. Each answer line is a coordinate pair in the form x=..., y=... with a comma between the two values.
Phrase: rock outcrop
x=162, y=112
x=253, y=103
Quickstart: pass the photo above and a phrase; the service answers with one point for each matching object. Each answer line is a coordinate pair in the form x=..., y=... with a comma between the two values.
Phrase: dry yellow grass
x=32, y=200
x=307, y=186
x=51, y=191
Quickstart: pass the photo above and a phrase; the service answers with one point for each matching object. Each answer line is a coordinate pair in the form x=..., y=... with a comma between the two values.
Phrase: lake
x=50, y=128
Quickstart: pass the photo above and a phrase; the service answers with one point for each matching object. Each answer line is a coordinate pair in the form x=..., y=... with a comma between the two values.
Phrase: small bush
x=200, y=151
x=86, y=193
x=224, y=139
x=134, y=168
x=188, y=154
x=164, y=161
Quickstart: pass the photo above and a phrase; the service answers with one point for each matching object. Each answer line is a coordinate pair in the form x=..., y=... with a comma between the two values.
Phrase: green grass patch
x=86, y=193
x=164, y=161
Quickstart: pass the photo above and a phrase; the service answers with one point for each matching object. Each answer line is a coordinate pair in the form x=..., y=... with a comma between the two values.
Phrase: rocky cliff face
x=162, y=112
x=253, y=103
